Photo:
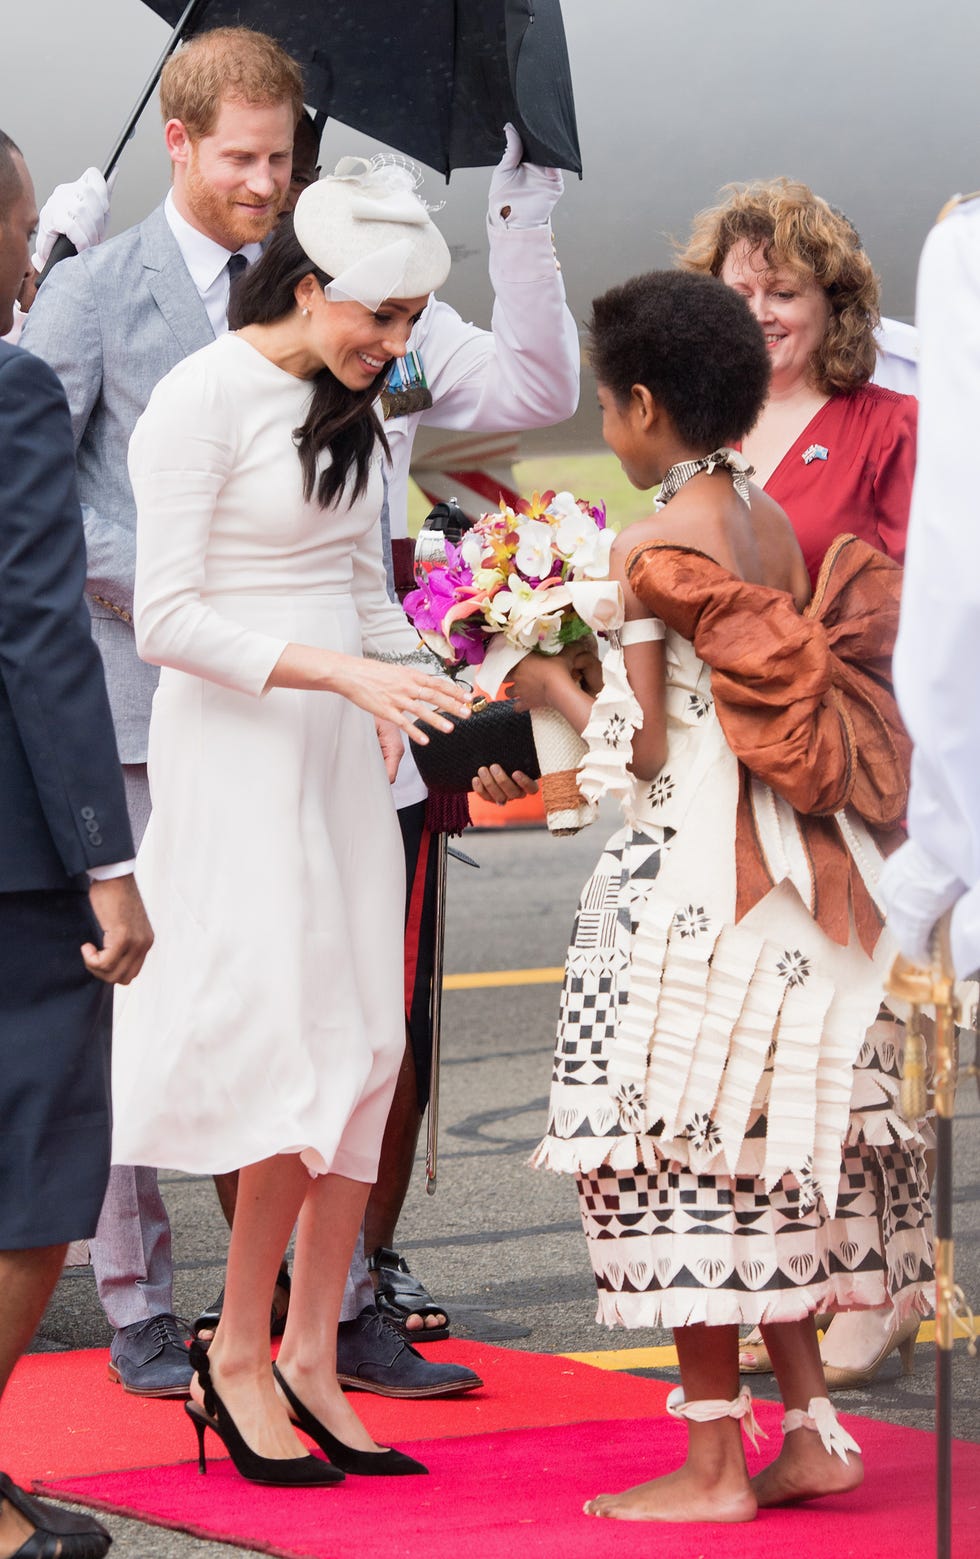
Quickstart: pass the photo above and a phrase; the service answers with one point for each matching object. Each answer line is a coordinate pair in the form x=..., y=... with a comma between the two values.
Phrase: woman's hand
x=401, y=695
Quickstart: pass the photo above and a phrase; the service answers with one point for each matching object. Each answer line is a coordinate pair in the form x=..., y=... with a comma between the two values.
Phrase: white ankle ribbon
x=711, y=1408
x=821, y=1417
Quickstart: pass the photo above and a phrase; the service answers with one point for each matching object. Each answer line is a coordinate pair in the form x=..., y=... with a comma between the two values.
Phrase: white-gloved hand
x=917, y=890
x=80, y=211
x=521, y=194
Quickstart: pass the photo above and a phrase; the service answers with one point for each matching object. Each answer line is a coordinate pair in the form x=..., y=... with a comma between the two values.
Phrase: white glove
x=522, y=195
x=917, y=890
x=80, y=211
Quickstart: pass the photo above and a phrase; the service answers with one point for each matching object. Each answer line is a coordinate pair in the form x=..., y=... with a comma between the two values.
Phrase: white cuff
x=106, y=873
x=642, y=630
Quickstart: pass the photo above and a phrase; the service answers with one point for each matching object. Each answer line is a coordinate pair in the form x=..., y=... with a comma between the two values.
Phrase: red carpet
x=509, y=1469
x=62, y=1416
x=521, y=1492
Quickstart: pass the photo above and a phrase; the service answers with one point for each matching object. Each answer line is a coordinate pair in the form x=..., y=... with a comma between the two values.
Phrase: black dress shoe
x=372, y=1356
x=150, y=1358
x=60, y=1532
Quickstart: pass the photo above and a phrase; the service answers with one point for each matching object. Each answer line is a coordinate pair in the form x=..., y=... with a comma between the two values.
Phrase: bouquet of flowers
x=532, y=577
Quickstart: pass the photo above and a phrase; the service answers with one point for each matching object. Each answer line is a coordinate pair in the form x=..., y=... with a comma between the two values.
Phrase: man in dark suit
x=71, y=919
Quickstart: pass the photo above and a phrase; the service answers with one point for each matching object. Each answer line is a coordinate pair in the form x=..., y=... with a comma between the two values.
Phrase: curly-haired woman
x=837, y=452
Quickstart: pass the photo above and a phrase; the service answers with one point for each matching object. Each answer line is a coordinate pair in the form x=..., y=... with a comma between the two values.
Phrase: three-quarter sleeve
x=181, y=454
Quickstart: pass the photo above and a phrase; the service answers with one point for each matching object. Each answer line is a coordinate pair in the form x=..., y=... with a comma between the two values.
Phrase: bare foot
x=414, y=1322
x=804, y=1470
x=680, y=1496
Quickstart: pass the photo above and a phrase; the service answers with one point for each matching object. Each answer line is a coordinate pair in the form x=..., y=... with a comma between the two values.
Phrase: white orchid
x=534, y=556
x=500, y=612
x=531, y=628
x=587, y=547
x=472, y=549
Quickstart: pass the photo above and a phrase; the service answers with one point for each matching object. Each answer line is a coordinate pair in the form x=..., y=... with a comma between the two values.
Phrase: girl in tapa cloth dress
x=724, y=1088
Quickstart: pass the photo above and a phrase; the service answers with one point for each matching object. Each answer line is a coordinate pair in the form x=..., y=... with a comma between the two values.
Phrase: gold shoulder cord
x=954, y=202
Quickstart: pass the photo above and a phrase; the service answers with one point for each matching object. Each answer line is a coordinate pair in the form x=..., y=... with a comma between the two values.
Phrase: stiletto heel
x=295, y=1472
x=389, y=1463
x=197, y=1418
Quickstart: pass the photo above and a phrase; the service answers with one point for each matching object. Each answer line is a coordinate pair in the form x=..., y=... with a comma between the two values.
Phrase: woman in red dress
x=837, y=453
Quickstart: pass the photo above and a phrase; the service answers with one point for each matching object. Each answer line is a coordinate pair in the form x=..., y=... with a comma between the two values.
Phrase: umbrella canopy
x=437, y=79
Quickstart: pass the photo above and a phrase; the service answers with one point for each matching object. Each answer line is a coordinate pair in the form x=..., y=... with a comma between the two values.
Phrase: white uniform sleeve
x=938, y=646
x=181, y=452
x=522, y=373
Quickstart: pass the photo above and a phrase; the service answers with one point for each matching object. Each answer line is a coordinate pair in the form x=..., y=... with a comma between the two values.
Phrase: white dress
x=268, y=1016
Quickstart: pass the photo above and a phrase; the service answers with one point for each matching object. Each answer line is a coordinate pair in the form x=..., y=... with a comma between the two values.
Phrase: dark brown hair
x=341, y=421
x=795, y=228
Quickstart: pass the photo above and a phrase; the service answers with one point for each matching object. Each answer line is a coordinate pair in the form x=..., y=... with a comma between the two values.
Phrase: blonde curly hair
x=796, y=229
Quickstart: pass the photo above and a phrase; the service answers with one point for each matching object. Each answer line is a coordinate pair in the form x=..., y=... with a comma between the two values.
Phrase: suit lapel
x=170, y=284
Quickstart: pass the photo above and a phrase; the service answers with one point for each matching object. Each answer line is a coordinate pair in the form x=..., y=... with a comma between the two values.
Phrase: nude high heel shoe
x=901, y=1336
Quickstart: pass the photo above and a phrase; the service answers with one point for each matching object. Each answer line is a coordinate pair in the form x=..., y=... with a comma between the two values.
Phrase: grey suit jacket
x=111, y=322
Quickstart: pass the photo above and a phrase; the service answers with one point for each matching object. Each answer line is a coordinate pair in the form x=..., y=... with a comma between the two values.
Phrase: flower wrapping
x=523, y=579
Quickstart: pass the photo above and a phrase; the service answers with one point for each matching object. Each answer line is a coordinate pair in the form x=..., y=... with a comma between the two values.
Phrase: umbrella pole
x=435, y=1010
x=63, y=247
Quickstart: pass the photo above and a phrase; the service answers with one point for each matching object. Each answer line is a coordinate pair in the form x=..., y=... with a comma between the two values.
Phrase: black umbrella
x=436, y=79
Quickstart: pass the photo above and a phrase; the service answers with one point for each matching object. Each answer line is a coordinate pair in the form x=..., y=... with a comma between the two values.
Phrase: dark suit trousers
x=55, y=1116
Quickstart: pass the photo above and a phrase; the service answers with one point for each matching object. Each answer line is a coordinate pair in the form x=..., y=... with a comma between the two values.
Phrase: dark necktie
x=236, y=264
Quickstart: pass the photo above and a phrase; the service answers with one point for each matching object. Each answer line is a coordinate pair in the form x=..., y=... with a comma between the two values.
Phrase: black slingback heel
x=291, y=1472
x=362, y=1463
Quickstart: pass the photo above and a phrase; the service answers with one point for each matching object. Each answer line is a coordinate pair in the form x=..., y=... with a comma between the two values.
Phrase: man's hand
x=392, y=747
x=522, y=195
x=496, y=785
x=126, y=932
x=80, y=211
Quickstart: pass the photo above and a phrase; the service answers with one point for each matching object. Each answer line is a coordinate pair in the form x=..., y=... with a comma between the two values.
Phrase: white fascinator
x=367, y=228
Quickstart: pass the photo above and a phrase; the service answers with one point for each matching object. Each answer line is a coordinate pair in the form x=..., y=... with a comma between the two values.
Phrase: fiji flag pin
x=815, y=452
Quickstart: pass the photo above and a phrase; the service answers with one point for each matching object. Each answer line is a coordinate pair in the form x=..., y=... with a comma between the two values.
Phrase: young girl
x=724, y=1088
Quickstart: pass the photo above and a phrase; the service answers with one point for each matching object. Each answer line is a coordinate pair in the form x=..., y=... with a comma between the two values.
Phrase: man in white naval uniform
x=938, y=646
x=521, y=373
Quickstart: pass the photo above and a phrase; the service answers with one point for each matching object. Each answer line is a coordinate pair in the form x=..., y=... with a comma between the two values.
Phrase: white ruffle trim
x=615, y=717
x=672, y=1308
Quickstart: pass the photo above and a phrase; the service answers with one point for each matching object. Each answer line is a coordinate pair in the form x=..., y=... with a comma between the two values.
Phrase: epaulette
x=954, y=202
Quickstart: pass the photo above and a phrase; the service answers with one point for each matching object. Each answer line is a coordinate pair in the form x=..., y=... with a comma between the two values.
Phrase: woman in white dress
x=267, y=1031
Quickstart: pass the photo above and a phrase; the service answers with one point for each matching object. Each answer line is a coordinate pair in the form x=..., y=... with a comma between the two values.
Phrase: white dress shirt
x=207, y=263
